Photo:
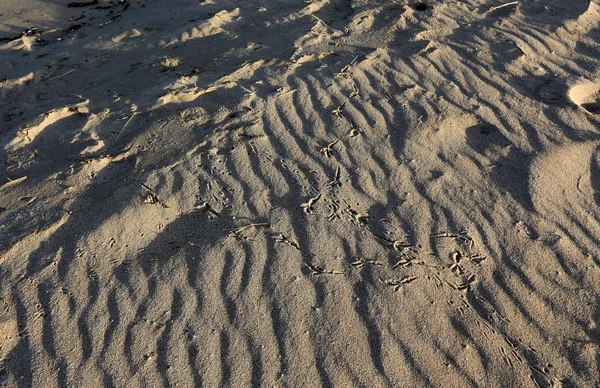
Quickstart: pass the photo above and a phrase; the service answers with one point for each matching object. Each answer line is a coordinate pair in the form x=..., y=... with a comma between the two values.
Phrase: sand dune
x=284, y=193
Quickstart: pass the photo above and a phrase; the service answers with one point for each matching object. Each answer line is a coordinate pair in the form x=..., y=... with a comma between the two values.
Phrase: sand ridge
x=281, y=193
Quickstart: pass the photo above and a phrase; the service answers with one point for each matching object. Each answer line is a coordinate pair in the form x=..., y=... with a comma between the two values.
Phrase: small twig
x=502, y=6
x=249, y=92
x=127, y=123
x=110, y=21
x=13, y=182
x=62, y=75
x=168, y=44
x=319, y=19
x=49, y=74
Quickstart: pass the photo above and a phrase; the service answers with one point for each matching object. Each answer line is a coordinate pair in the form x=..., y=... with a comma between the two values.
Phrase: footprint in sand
x=586, y=96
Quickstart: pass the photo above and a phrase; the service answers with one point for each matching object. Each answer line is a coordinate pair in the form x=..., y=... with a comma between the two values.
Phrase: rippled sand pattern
x=284, y=193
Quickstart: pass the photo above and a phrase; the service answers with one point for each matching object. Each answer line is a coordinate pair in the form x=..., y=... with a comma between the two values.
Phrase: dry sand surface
x=287, y=193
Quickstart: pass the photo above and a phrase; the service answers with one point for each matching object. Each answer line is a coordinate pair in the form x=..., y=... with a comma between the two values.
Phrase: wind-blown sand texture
x=295, y=193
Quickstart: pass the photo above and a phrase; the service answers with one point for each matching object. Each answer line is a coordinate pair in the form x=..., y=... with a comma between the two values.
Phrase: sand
x=338, y=193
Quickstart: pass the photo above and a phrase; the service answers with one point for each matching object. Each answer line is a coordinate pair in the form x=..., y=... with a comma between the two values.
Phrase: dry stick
x=49, y=74
x=503, y=5
x=62, y=75
x=248, y=91
x=128, y=121
x=110, y=21
x=319, y=19
x=168, y=44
